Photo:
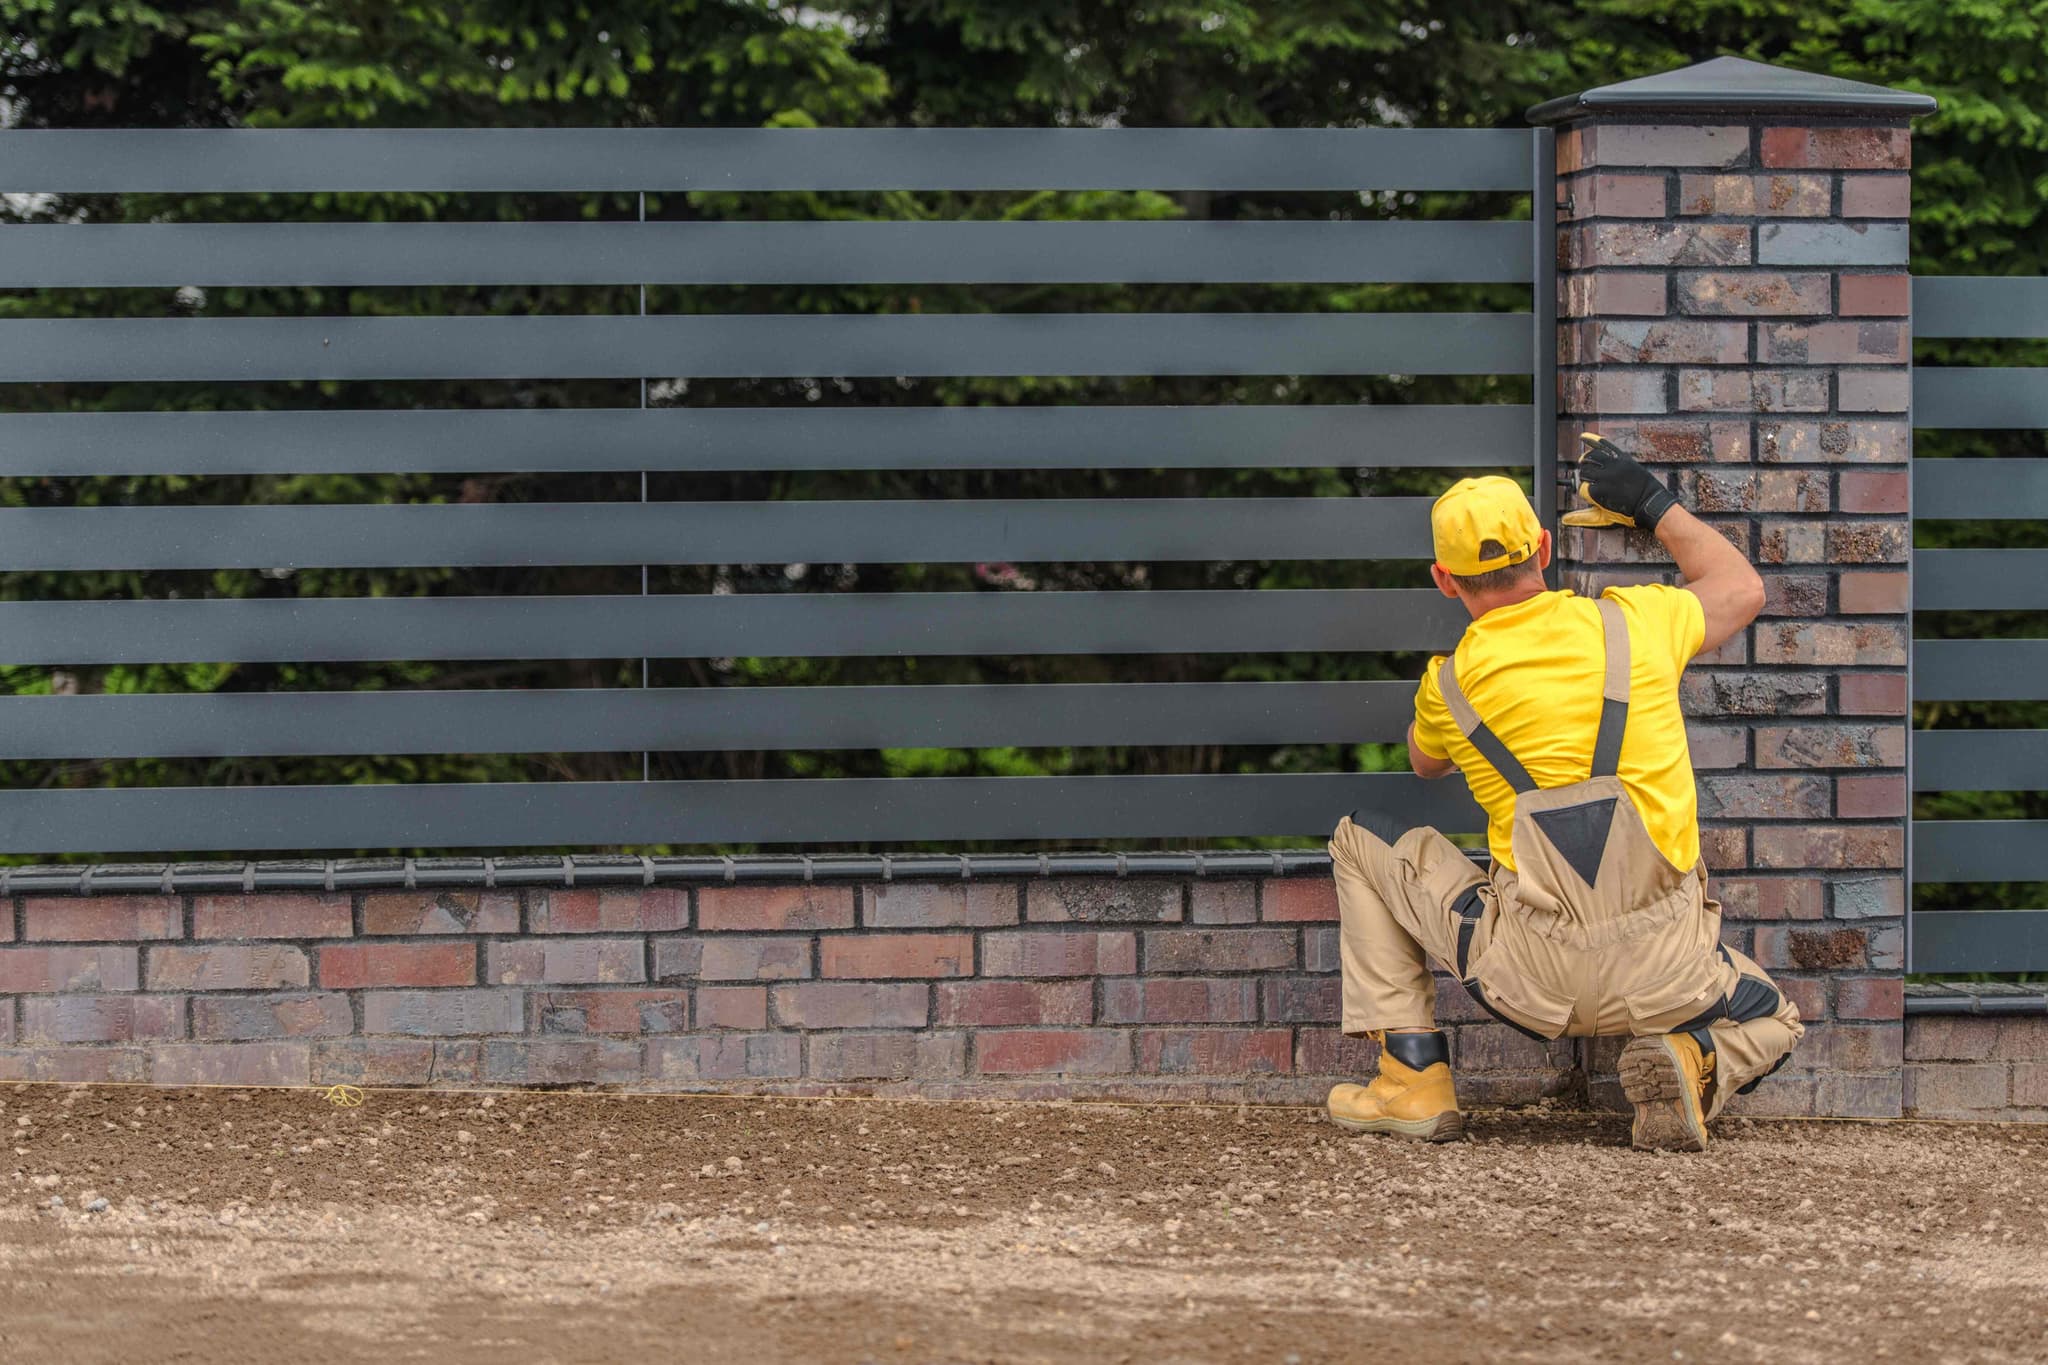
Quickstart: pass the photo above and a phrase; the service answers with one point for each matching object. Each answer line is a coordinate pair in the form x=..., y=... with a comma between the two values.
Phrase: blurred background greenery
x=1981, y=187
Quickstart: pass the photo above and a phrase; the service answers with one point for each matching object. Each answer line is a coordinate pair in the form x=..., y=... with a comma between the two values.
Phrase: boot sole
x=1654, y=1082
x=1447, y=1127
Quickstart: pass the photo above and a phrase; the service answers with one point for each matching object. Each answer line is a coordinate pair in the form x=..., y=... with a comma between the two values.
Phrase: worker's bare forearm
x=1427, y=765
x=1730, y=592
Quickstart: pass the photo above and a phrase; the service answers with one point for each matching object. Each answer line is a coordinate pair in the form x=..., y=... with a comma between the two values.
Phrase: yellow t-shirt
x=1533, y=673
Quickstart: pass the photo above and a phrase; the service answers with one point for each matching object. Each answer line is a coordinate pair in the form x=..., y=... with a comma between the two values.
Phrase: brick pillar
x=1733, y=306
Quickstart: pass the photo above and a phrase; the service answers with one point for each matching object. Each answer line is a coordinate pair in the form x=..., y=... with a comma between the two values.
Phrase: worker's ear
x=1543, y=548
x=1442, y=577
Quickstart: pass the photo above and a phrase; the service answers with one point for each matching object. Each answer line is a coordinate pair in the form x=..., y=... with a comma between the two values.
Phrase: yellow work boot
x=1412, y=1097
x=1666, y=1076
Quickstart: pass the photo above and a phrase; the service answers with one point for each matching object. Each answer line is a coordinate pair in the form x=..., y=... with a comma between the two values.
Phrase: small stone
x=56, y=1201
x=96, y=1206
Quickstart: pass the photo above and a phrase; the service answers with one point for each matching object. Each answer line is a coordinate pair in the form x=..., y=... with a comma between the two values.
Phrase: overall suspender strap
x=1474, y=729
x=1614, y=691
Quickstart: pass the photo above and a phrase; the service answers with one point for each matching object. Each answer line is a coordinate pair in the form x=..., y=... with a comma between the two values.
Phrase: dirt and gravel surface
x=230, y=1226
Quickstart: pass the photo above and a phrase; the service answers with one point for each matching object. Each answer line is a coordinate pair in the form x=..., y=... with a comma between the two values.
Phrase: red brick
x=1813, y=950
x=561, y=1061
x=346, y=966
x=1831, y=645
x=1865, y=490
x=1768, y=898
x=1595, y=392
x=1869, y=542
x=852, y=1004
x=611, y=910
x=1832, y=343
x=1742, y=293
x=1875, y=296
x=1831, y=746
x=1821, y=846
x=437, y=1014
x=1873, y=594
x=1795, y=595
x=1840, y=148
x=1752, y=390
x=441, y=912
x=1180, y=1000
x=75, y=1065
x=374, y=1061
x=1832, y=442
x=1757, y=796
x=1216, y=1051
x=83, y=919
x=887, y=1056
x=580, y=961
x=25, y=970
x=1666, y=342
x=1877, y=196
x=101, y=1018
x=1291, y=899
x=1725, y=848
x=1666, y=244
x=714, y=1057
x=732, y=1007
x=265, y=967
x=1830, y=1046
x=1717, y=746
x=1808, y=994
x=1212, y=902
x=238, y=1017
x=1220, y=950
x=938, y=905
x=1001, y=1052
x=896, y=955
x=1870, y=798
x=1303, y=999
x=1872, y=694
x=1617, y=196
x=1103, y=900
x=1328, y=1052
x=231, y=1064
x=1662, y=145
x=1870, y=997
x=1611, y=293
x=1015, y=1004
x=291, y=915
x=1070, y=953
x=631, y=1013
x=1886, y=390
x=1755, y=196
x=767, y=908
x=724, y=958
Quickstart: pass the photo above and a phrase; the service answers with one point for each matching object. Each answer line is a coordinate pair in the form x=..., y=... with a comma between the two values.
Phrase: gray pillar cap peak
x=1736, y=86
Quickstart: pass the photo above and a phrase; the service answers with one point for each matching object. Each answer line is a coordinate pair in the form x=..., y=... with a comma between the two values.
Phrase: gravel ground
x=259, y=1226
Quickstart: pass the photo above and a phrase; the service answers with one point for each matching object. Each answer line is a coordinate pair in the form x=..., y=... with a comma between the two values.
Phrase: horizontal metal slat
x=608, y=720
x=758, y=345
x=795, y=625
x=1952, y=941
x=572, y=159
x=430, y=441
x=1980, y=850
x=1039, y=530
x=1980, y=670
x=825, y=811
x=1958, y=398
x=1980, y=306
x=1980, y=760
x=344, y=254
x=1980, y=580
x=1988, y=490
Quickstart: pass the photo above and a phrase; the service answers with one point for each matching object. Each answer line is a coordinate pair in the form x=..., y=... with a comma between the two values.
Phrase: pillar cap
x=1735, y=86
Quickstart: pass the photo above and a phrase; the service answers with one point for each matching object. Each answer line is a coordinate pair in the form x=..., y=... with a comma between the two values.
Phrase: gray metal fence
x=2011, y=669
x=815, y=812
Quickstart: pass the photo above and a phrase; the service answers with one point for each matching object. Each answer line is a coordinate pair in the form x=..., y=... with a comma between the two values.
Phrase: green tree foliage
x=1982, y=179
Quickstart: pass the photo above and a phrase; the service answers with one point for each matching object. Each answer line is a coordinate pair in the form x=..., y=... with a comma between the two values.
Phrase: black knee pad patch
x=1752, y=999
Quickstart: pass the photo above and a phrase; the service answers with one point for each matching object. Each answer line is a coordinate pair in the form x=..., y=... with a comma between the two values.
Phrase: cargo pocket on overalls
x=1508, y=992
x=1676, y=1005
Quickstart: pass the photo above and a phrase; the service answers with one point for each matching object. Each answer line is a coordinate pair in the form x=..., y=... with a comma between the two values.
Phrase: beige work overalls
x=1596, y=932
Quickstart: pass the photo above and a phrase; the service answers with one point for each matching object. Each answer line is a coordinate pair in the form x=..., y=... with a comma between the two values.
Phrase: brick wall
x=1128, y=987
x=1733, y=307
x=1973, y=1067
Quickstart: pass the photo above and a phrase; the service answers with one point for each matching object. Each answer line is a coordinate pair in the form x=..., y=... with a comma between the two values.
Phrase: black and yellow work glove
x=1622, y=492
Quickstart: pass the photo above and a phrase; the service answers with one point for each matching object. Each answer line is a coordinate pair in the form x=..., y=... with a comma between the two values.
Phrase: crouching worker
x=1563, y=716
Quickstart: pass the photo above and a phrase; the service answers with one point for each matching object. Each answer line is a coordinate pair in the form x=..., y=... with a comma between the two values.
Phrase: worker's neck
x=1481, y=603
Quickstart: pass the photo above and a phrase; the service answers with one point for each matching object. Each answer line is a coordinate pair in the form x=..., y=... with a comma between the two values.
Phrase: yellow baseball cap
x=1474, y=511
